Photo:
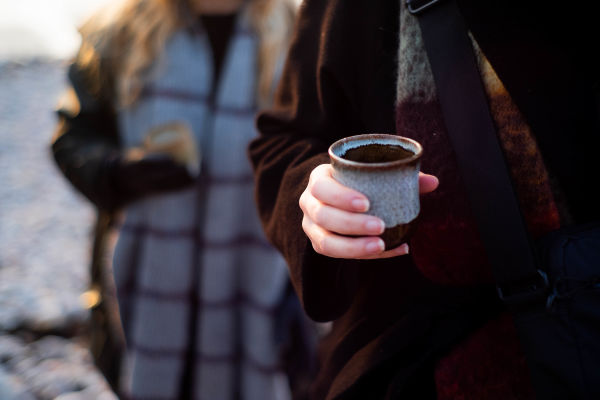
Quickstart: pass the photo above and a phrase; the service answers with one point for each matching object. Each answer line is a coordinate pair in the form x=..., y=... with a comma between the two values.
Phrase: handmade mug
x=385, y=168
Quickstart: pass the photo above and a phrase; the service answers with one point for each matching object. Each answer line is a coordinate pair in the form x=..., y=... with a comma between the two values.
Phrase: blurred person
x=204, y=300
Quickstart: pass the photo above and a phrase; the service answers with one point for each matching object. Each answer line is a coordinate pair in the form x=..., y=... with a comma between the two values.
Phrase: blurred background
x=45, y=226
x=39, y=28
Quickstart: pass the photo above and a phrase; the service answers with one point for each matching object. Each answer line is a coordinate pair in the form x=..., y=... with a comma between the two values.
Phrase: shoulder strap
x=481, y=161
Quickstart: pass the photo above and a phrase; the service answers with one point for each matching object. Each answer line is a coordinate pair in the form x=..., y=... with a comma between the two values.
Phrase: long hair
x=273, y=20
x=121, y=44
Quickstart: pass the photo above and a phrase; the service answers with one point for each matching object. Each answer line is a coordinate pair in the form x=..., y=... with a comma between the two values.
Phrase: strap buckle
x=418, y=6
x=525, y=292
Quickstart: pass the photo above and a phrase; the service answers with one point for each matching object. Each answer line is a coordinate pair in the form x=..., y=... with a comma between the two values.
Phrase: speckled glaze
x=392, y=187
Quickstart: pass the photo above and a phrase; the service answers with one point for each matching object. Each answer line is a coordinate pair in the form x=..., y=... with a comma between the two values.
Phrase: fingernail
x=360, y=204
x=404, y=249
x=375, y=246
x=375, y=226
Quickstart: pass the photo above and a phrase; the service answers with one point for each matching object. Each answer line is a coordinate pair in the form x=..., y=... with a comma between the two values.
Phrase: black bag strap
x=480, y=158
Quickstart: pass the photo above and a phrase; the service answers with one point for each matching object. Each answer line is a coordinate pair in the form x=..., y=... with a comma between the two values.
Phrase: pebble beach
x=45, y=226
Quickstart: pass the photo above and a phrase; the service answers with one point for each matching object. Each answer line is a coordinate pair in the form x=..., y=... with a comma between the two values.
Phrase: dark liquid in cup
x=377, y=153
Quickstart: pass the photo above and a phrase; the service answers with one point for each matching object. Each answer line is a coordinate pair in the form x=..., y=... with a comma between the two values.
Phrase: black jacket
x=392, y=324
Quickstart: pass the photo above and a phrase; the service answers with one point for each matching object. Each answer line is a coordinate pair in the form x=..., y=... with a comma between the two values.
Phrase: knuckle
x=317, y=244
x=312, y=209
x=315, y=239
x=322, y=245
x=315, y=247
x=302, y=200
x=319, y=169
x=315, y=188
x=313, y=175
x=306, y=226
x=319, y=215
x=317, y=177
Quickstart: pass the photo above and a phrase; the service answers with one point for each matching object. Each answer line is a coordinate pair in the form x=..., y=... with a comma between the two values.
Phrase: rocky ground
x=44, y=249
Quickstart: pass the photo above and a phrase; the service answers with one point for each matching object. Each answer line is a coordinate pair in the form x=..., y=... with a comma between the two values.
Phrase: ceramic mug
x=385, y=168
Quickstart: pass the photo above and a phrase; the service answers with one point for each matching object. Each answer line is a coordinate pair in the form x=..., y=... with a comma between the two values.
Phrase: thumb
x=427, y=183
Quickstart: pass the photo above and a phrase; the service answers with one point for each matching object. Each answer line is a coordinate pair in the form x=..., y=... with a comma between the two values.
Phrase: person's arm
x=339, y=80
x=294, y=136
x=86, y=140
x=86, y=148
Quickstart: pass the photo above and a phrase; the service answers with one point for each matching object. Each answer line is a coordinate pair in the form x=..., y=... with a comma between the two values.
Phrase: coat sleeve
x=323, y=96
x=86, y=141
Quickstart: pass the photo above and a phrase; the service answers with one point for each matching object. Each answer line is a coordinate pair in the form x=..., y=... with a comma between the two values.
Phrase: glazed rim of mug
x=351, y=142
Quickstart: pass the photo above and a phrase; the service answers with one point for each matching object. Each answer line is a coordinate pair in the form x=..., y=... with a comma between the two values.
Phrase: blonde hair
x=121, y=44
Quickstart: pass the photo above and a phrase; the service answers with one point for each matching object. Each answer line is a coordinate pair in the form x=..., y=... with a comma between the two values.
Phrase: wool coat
x=428, y=326
x=202, y=295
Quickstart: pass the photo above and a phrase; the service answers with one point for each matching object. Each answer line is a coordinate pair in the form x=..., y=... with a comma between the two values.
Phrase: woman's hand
x=332, y=210
x=137, y=174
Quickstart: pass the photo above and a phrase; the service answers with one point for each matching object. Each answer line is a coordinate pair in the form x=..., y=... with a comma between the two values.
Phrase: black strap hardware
x=472, y=132
x=417, y=6
x=566, y=287
x=525, y=292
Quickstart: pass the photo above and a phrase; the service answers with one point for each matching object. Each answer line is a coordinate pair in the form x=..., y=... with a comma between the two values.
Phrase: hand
x=332, y=210
x=137, y=174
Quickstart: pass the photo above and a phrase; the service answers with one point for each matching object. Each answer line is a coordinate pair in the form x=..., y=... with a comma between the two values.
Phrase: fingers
x=333, y=211
x=336, y=208
x=329, y=191
x=332, y=245
x=337, y=220
x=336, y=246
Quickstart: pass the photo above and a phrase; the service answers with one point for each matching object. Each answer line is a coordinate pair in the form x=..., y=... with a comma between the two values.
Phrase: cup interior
x=375, y=149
